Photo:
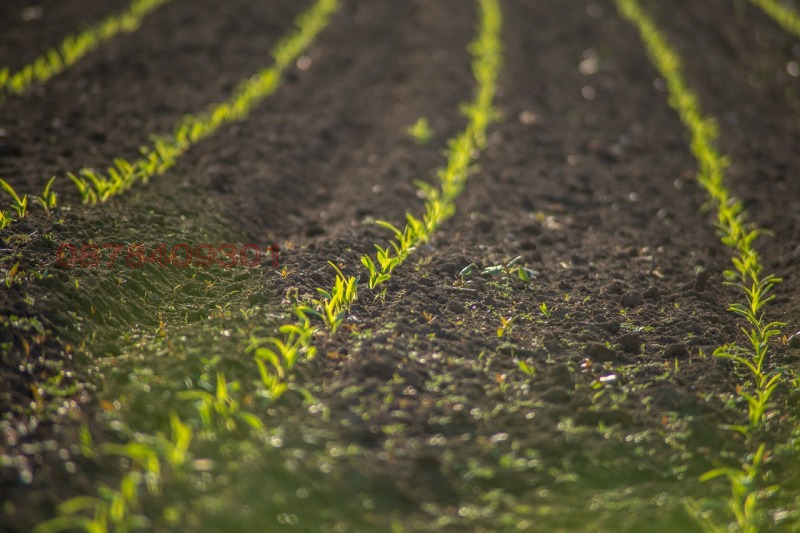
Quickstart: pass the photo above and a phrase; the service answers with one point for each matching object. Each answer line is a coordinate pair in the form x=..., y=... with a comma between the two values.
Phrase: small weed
x=506, y=326
x=421, y=131
x=512, y=269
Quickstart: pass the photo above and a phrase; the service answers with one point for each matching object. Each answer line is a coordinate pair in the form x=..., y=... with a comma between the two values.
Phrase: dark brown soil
x=429, y=422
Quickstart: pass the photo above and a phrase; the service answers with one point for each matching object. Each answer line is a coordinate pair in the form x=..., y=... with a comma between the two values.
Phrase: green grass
x=75, y=47
x=786, y=17
x=737, y=233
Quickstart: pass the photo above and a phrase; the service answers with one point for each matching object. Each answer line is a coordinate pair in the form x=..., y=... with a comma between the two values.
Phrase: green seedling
x=376, y=277
x=85, y=439
x=334, y=305
x=421, y=131
x=48, y=200
x=20, y=205
x=12, y=275
x=176, y=448
x=141, y=454
x=221, y=406
x=513, y=268
x=546, y=311
x=744, y=502
x=505, y=326
x=467, y=270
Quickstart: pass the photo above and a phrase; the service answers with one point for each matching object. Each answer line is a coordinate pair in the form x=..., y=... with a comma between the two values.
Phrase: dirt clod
x=631, y=299
x=631, y=343
x=600, y=352
x=676, y=351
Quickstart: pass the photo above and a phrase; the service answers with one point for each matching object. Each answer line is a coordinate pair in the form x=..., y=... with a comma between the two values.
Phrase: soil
x=422, y=417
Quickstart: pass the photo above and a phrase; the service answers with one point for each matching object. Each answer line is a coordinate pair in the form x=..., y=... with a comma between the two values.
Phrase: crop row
x=748, y=489
x=165, y=150
x=74, y=47
x=276, y=357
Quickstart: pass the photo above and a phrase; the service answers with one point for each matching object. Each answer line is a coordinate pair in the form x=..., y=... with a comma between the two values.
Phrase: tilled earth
x=423, y=416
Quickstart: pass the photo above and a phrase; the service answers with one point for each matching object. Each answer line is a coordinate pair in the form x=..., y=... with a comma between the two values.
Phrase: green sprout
x=505, y=326
x=421, y=131
x=334, y=304
x=530, y=370
x=511, y=269
x=5, y=220
x=48, y=200
x=20, y=205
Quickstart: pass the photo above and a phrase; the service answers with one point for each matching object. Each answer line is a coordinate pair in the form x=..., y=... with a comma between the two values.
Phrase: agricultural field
x=451, y=265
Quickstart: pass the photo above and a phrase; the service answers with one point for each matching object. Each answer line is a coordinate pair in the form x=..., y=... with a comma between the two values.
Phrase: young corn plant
x=48, y=200
x=5, y=219
x=506, y=325
x=221, y=406
x=19, y=205
x=333, y=305
x=118, y=508
x=277, y=356
x=511, y=269
x=731, y=222
x=74, y=47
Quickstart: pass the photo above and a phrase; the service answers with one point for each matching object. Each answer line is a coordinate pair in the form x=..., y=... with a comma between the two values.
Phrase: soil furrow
x=747, y=62
x=29, y=29
x=341, y=126
x=139, y=84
